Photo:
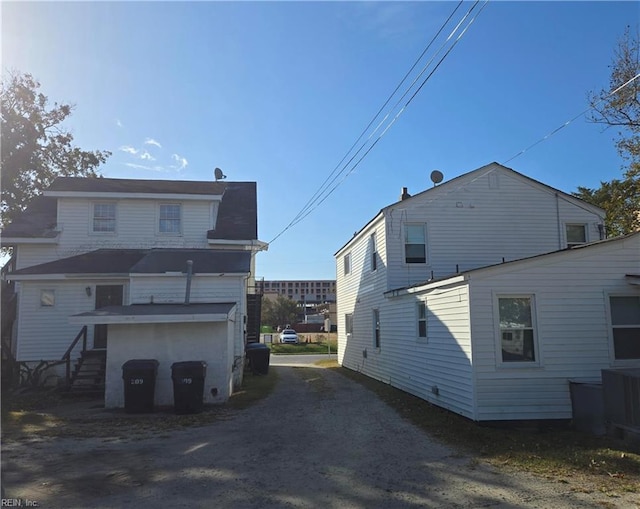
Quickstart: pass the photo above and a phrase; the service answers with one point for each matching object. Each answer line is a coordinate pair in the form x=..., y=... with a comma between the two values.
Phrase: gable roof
x=237, y=213
x=142, y=261
x=460, y=180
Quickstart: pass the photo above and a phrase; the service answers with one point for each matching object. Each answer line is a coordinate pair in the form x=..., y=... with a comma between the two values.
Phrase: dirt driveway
x=319, y=440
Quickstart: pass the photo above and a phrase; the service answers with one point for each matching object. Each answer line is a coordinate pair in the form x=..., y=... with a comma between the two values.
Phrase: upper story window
x=170, y=218
x=576, y=234
x=625, y=321
x=415, y=243
x=517, y=332
x=347, y=263
x=104, y=218
x=348, y=323
x=374, y=252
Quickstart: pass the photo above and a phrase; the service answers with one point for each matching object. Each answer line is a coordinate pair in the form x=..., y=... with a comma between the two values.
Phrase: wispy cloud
x=151, y=141
x=181, y=162
x=159, y=169
x=118, y=123
x=129, y=150
x=146, y=156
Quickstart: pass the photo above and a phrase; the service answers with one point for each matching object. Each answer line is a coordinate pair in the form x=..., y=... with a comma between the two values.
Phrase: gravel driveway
x=319, y=440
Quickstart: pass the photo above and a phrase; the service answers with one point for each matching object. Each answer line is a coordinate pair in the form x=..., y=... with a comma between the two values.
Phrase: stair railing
x=67, y=355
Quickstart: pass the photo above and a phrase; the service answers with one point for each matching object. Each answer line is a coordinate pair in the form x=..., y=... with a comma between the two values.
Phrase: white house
x=154, y=269
x=435, y=245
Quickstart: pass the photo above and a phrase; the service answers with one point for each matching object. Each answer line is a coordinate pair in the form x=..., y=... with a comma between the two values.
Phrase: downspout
x=187, y=294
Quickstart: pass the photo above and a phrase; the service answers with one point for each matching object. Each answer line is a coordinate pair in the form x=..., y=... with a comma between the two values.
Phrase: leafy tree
x=619, y=107
x=35, y=147
x=279, y=312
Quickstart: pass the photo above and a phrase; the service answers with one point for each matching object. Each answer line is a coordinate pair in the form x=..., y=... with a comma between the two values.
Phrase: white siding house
x=102, y=252
x=489, y=216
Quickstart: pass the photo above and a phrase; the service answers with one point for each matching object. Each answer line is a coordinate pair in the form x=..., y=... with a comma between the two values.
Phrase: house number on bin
x=136, y=381
x=186, y=380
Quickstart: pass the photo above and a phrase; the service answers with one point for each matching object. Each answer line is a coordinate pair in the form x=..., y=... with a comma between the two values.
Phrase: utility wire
x=317, y=198
x=318, y=203
x=328, y=180
x=544, y=138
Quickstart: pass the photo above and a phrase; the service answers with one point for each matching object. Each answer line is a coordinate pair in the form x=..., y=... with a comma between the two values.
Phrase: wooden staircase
x=88, y=376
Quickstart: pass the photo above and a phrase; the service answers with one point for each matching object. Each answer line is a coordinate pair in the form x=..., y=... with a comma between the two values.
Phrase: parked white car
x=289, y=336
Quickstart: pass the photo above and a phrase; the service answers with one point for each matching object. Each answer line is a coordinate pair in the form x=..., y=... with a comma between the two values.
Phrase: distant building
x=304, y=291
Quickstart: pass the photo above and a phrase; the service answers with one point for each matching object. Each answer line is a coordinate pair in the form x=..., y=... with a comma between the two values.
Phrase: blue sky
x=277, y=92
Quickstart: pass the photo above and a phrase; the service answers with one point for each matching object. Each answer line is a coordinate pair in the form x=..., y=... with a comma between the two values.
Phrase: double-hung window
x=376, y=328
x=347, y=264
x=348, y=323
x=517, y=331
x=415, y=243
x=104, y=218
x=625, y=321
x=422, y=320
x=374, y=253
x=576, y=234
x=170, y=218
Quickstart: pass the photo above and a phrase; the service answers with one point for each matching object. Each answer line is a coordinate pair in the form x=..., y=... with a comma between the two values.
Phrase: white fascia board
x=249, y=245
x=135, y=319
x=427, y=286
x=30, y=240
x=41, y=277
x=184, y=274
x=134, y=196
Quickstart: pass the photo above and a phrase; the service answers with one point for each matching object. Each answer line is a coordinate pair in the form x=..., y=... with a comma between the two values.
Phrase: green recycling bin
x=139, y=377
x=188, y=386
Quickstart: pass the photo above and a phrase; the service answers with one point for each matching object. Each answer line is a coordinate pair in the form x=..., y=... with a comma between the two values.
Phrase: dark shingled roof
x=237, y=213
x=145, y=261
x=104, y=185
x=37, y=221
x=161, y=309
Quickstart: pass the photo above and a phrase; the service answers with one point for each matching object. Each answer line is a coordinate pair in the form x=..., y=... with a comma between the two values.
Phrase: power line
x=544, y=138
x=318, y=198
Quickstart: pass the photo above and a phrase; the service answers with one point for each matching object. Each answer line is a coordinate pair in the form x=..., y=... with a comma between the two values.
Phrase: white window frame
x=537, y=351
x=377, y=336
x=374, y=252
x=47, y=297
x=92, y=219
x=585, y=228
x=347, y=264
x=612, y=326
x=404, y=243
x=160, y=219
x=348, y=323
x=422, y=304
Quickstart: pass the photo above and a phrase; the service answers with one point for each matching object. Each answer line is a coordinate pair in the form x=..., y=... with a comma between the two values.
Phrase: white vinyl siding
x=574, y=335
x=471, y=224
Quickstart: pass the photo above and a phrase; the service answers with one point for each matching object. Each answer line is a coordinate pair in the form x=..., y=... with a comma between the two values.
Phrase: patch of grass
x=327, y=363
x=304, y=348
x=596, y=463
x=254, y=388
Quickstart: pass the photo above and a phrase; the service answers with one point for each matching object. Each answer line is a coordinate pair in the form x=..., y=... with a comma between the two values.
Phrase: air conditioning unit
x=621, y=393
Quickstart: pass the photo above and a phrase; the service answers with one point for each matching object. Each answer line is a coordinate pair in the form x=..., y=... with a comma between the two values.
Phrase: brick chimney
x=404, y=194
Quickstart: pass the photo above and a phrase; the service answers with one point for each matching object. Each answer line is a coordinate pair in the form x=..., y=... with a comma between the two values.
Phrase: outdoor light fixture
x=88, y=290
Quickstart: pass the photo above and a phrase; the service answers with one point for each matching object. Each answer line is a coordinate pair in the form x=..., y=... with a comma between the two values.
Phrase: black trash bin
x=139, y=377
x=258, y=358
x=188, y=386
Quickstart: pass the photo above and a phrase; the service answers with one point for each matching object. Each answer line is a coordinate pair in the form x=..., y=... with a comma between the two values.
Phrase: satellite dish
x=217, y=173
x=436, y=177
